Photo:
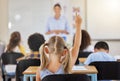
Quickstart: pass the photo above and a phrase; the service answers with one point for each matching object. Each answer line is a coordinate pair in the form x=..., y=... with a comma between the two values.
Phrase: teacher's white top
x=57, y=24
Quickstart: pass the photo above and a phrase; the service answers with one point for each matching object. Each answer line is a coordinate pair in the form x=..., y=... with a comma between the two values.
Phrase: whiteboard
x=103, y=19
x=28, y=17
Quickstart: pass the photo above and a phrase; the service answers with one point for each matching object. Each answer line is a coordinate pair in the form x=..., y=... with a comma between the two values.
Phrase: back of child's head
x=14, y=41
x=56, y=46
x=101, y=45
x=86, y=40
x=35, y=41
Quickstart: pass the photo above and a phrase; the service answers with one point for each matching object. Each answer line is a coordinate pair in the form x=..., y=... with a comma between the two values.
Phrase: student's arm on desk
x=77, y=42
x=38, y=75
x=22, y=58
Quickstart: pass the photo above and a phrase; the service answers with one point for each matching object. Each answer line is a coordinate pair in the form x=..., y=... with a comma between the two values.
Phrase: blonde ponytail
x=59, y=46
x=44, y=58
x=66, y=62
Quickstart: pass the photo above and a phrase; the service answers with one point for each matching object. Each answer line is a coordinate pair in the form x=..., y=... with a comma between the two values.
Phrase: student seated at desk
x=55, y=56
x=86, y=42
x=101, y=53
x=86, y=48
x=35, y=41
x=15, y=44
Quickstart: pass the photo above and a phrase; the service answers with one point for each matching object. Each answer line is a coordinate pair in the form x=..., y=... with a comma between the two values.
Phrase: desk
x=91, y=71
x=30, y=72
x=82, y=60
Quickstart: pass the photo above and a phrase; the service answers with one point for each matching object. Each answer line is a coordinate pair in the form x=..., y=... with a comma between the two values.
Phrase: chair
x=82, y=55
x=107, y=70
x=23, y=65
x=66, y=77
x=9, y=58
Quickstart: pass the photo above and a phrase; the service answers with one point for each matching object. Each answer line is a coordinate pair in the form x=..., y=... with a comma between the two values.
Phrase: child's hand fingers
x=78, y=19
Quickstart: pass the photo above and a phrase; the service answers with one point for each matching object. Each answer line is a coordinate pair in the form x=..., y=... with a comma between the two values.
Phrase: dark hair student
x=35, y=41
x=101, y=45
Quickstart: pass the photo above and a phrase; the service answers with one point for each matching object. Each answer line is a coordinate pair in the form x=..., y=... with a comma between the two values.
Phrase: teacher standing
x=57, y=24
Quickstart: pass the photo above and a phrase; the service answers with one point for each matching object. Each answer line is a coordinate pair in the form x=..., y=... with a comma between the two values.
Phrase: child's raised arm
x=77, y=40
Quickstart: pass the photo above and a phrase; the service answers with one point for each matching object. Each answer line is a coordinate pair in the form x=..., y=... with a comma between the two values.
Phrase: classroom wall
x=103, y=22
x=103, y=19
x=82, y=5
x=113, y=45
x=32, y=17
x=4, y=31
x=28, y=18
x=4, y=20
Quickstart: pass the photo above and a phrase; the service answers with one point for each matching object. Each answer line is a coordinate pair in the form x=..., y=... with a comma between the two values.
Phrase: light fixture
x=9, y=25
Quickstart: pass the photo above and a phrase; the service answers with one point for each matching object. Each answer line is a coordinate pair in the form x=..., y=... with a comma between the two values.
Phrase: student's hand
x=78, y=20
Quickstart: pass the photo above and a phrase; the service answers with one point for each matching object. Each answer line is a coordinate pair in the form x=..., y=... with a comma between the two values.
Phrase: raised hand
x=78, y=20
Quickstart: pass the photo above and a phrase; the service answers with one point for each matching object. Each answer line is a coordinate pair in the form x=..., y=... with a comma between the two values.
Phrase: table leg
x=94, y=77
x=31, y=78
x=25, y=78
x=28, y=75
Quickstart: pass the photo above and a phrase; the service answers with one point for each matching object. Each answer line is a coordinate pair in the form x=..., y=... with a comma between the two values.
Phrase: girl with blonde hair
x=56, y=58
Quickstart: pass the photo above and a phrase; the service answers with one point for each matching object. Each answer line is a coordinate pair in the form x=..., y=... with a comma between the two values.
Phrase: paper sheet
x=79, y=68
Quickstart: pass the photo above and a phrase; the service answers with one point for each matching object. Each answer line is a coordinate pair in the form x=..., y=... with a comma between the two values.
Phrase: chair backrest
x=10, y=58
x=82, y=55
x=107, y=70
x=23, y=65
x=66, y=77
